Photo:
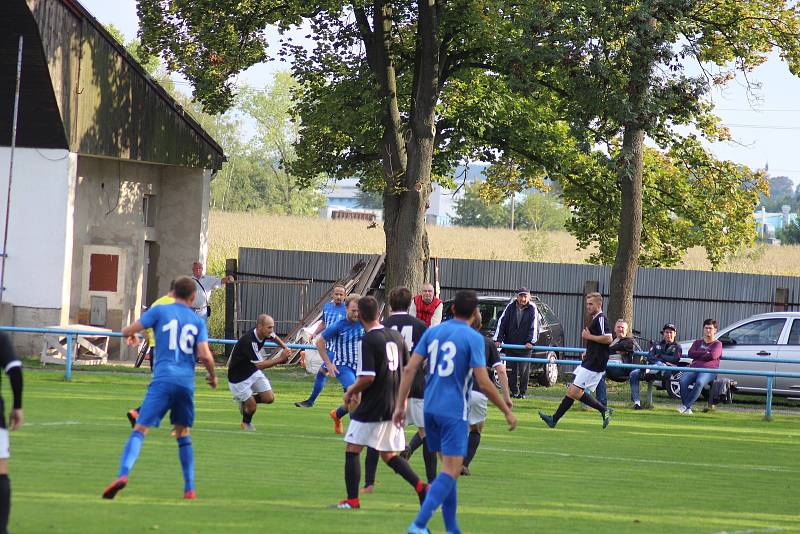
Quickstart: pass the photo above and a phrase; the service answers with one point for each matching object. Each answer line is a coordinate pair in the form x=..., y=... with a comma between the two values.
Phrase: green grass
x=648, y=472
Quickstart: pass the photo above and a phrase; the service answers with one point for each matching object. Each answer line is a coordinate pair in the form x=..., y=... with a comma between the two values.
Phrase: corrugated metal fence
x=661, y=295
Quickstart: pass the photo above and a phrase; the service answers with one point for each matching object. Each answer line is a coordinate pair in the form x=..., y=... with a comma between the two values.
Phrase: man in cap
x=664, y=353
x=518, y=325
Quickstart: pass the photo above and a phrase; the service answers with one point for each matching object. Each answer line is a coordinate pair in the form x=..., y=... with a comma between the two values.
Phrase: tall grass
x=229, y=231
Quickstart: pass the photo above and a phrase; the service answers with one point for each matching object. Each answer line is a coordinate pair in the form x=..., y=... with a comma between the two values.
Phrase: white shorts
x=255, y=384
x=382, y=436
x=478, y=402
x=586, y=379
x=414, y=413
x=4, y=452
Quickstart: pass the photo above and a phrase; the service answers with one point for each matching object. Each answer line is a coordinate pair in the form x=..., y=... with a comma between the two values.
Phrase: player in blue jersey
x=454, y=352
x=333, y=312
x=345, y=336
x=181, y=338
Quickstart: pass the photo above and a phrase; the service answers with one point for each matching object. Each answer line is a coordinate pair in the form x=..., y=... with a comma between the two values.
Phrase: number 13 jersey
x=452, y=349
x=178, y=329
x=383, y=355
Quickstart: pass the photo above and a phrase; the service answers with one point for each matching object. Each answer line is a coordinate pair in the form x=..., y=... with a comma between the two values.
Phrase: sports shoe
x=465, y=472
x=349, y=504
x=414, y=529
x=367, y=489
x=423, y=492
x=637, y=406
x=607, y=416
x=133, y=415
x=337, y=423
x=682, y=409
x=688, y=411
x=190, y=495
x=248, y=427
x=115, y=487
x=303, y=404
x=548, y=419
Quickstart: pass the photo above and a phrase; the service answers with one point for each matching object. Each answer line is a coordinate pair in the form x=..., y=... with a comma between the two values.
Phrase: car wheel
x=549, y=375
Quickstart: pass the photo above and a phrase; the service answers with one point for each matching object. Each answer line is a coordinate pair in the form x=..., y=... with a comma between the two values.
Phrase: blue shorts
x=163, y=396
x=346, y=376
x=447, y=435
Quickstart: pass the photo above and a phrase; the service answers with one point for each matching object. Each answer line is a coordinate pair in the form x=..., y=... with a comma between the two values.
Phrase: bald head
x=427, y=293
x=265, y=326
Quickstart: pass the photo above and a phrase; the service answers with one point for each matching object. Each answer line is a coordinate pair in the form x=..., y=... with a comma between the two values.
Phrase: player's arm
x=130, y=331
x=500, y=369
x=603, y=339
x=13, y=369
x=205, y=357
x=406, y=380
x=320, y=327
x=486, y=385
x=320, y=343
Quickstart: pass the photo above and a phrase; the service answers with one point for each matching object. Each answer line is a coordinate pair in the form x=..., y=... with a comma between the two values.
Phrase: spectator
x=621, y=349
x=427, y=307
x=518, y=325
x=664, y=353
x=705, y=354
x=205, y=284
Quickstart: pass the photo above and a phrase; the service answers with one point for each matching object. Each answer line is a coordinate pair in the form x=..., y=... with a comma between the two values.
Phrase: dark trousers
x=518, y=374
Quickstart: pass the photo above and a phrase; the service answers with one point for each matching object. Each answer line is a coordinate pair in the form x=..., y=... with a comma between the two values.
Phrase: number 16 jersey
x=178, y=329
x=383, y=355
x=452, y=349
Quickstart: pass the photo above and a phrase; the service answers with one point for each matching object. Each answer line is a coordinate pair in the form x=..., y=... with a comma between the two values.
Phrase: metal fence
x=660, y=295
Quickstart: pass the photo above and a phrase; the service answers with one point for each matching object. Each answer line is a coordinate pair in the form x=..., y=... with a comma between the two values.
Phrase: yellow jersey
x=151, y=336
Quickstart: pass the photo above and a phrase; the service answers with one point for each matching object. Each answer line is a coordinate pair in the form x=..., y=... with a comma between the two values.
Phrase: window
x=103, y=271
x=149, y=211
x=761, y=332
x=794, y=333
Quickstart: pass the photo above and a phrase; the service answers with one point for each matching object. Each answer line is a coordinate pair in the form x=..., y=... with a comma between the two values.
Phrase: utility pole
x=512, y=209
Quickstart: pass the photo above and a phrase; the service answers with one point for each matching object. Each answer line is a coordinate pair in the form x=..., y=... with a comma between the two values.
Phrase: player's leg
x=370, y=470
x=5, y=483
x=346, y=377
x=134, y=413
x=473, y=442
x=261, y=393
x=414, y=417
x=182, y=419
x=413, y=444
x=478, y=404
x=316, y=389
x=248, y=411
x=390, y=441
x=429, y=457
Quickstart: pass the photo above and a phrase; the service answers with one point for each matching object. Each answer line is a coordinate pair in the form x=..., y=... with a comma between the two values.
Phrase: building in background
x=767, y=223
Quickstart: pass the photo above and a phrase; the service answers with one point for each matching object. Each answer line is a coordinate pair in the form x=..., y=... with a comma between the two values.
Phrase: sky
x=765, y=124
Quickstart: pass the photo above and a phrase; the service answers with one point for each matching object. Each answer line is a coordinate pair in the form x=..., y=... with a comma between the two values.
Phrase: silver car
x=769, y=335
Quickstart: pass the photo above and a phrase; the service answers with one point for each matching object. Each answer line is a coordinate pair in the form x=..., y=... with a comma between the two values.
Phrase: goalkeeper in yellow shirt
x=169, y=298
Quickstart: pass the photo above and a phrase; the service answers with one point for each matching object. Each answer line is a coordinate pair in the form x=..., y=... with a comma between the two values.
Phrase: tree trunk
x=629, y=234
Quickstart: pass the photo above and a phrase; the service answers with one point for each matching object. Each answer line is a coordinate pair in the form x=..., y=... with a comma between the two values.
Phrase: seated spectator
x=664, y=353
x=705, y=354
x=621, y=349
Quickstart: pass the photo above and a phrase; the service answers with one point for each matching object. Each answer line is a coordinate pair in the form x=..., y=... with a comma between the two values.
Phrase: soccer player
x=13, y=369
x=411, y=330
x=181, y=338
x=169, y=298
x=246, y=379
x=383, y=355
x=454, y=352
x=332, y=312
x=346, y=338
x=478, y=402
x=592, y=368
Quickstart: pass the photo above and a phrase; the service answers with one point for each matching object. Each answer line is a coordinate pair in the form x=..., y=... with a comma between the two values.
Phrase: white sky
x=766, y=129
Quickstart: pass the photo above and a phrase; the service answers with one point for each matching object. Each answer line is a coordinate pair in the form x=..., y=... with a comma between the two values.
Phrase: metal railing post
x=68, y=370
x=768, y=409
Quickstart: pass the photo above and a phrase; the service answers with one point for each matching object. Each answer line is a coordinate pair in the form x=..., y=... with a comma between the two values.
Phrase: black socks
x=371, y=466
x=472, y=446
x=590, y=401
x=566, y=404
x=5, y=502
x=430, y=461
x=352, y=474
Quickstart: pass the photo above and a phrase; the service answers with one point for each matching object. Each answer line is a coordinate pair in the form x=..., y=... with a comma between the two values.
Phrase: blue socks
x=319, y=384
x=341, y=411
x=440, y=490
x=130, y=452
x=449, y=507
x=186, y=454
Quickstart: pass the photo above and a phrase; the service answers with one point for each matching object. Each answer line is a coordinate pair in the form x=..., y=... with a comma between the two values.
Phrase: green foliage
x=781, y=193
x=537, y=244
x=472, y=210
x=541, y=212
x=790, y=233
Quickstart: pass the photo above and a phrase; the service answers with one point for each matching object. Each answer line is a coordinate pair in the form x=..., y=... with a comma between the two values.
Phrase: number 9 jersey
x=452, y=349
x=383, y=356
x=178, y=329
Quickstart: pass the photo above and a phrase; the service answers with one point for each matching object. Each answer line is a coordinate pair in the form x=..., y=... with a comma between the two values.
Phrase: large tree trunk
x=629, y=234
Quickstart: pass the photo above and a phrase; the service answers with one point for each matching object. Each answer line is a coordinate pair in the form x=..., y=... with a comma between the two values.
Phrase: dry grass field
x=229, y=231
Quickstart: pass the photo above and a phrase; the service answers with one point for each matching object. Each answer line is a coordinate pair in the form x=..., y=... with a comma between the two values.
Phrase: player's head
x=621, y=328
x=265, y=326
x=476, y=321
x=338, y=294
x=594, y=303
x=427, y=293
x=464, y=304
x=399, y=299
x=351, y=302
x=197, y=269
x=368, y=310
x=185, y=289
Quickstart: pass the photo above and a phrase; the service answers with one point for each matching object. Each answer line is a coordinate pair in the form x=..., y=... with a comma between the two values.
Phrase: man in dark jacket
x=518, y=325
x=666, y=352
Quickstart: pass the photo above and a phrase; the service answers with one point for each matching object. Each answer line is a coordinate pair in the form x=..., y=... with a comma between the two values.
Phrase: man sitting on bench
x=667, y=353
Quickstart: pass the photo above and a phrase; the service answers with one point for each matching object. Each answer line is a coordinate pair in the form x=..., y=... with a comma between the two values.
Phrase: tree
x=472, y=210
x=781, y=192
x=541, y=212
x=790, y=233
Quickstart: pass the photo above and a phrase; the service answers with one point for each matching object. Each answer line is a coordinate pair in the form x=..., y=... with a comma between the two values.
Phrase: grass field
x=648, y=472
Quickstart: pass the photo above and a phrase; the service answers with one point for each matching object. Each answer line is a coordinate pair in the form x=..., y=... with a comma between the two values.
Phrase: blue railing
x=72, y=333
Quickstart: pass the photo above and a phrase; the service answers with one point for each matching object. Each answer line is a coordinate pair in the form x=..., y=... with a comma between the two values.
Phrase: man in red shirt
x=426, y=306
